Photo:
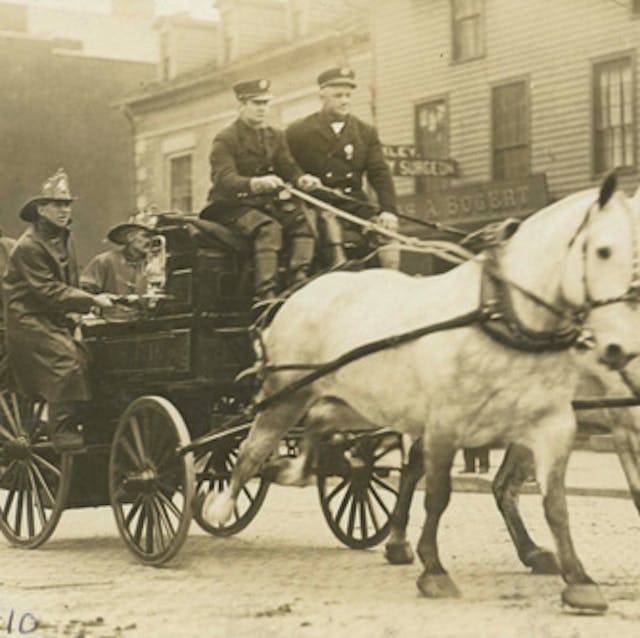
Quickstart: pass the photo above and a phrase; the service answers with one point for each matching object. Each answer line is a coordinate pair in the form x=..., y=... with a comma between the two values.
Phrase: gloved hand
x=308, y=182
x=104, y=300
x=387, y=220
x=265, y=184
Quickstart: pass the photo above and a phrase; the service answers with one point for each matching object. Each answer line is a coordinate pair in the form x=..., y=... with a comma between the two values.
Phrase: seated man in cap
x=121, y=270
x=250, y=162
x=341, y=149
x=40, y=290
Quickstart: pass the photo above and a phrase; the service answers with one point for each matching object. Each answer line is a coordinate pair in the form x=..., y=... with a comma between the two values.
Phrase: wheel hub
x=19, y=448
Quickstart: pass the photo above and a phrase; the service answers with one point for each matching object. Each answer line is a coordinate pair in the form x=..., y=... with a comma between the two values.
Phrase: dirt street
x=286, y=576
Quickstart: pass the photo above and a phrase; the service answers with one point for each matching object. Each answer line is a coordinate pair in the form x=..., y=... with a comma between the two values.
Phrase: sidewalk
x=589, y=474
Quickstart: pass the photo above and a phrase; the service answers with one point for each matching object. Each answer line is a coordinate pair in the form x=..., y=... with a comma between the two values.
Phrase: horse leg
x=516, y=467
x=552, y=442
x=325, y=416
x=264, y=436
x=626, y=442
x=434, y=582
x=397, y=549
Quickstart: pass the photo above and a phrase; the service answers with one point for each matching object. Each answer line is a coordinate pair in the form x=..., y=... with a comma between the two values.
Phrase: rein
x=500, y=308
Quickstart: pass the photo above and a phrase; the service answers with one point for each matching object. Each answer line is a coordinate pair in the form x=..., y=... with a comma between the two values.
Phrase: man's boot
x=302, y=251
x=265, y=275
x=63, y=426
x=334, y=238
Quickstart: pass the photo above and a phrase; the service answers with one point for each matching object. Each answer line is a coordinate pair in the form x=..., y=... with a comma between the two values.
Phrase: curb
x=483, y=486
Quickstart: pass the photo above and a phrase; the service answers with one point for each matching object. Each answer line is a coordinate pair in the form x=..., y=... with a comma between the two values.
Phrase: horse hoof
x=398, y=553
x=585, y=597
x=437, y=586
x=217, y=508
x=542, y=561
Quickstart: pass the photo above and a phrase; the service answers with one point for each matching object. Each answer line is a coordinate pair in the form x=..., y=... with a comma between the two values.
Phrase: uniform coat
x=341, y=161
x=40, y=288
x=239, y=153
x=112, y=272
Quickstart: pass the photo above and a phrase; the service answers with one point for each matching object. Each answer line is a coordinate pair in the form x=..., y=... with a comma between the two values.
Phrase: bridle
x=632, y=294
x=573, y=328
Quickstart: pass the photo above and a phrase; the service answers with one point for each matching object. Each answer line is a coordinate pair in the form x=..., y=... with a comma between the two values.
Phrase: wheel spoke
x=380, y=502
x=156, y=525
x=363, y=519
x=18, y=512
x=45, y=486
x=384, y=485
x=170, y=504
x=352, y=517
x=38, y=498
x=29, y=504
x=343, y=505
x=135, y=507
x=126, y=446
x=52, y=468
x=140, y=523
x=7, y=435
x=10, y=417
x=336, y=489
x=148, y=537
x=372, y=514
x=137, y=439
x=164, y=515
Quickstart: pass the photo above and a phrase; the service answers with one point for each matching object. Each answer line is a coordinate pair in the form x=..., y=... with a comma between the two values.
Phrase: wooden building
x=530, y=100
x=176, y=118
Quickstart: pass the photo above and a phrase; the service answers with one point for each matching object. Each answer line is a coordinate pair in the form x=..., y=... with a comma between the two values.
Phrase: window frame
x=455, y=40
x=169, y=159
x=629, y=54
x=505, y=82
x=425, y=184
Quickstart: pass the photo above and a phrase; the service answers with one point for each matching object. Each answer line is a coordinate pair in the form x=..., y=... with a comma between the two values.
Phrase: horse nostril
x=614, y=356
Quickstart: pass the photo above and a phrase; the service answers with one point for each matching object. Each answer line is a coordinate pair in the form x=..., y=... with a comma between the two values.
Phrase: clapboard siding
x=551, y=43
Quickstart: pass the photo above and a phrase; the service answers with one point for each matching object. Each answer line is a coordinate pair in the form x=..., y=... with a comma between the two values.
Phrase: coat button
x=347, y=189
x=329, y=174
x=349, y=175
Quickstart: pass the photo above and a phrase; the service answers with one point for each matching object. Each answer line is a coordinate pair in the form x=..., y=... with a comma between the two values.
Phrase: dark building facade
x=58, y=109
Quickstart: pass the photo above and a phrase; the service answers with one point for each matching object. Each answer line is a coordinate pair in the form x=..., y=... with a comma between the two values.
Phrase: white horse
x=459, y=387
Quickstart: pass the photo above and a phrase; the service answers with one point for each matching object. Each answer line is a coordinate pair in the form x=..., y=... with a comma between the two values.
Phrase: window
x=432, y=139
x=468, y=29
x=165, y=56
x=511, y=145
x=613, y=120
x=180, y=183
x=227, y=39
x=298, y=12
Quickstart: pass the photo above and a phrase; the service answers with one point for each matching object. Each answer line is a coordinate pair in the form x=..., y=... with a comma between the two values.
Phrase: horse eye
x=604, y=252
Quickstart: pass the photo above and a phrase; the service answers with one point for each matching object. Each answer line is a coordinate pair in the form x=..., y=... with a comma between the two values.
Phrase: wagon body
x=160, y=379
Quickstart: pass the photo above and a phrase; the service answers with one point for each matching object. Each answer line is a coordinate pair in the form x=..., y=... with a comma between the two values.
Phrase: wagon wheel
x=150, y=485
x=358, y=487
x=213, y=472
x=34, y=479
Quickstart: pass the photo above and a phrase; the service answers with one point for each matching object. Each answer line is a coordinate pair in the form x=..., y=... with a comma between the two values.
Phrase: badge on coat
x=348, y=151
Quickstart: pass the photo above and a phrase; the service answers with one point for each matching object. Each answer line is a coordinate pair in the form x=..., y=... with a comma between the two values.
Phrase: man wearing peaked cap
x=40, y=291
x=342, y=149
x=121, y=270
x=250, y=162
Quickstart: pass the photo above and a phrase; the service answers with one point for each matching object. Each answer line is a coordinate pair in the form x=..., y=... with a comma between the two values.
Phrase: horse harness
x=495, y=314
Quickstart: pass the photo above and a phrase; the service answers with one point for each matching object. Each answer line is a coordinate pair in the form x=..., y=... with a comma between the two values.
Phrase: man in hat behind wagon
x=121, y=270
x=341, y=149
x=250, y=163
x=40, y=290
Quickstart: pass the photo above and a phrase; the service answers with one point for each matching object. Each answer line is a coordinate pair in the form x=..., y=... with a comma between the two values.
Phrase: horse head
x=601, y=278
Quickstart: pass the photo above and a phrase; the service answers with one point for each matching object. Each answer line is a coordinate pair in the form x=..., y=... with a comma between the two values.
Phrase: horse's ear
x=608, y=188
